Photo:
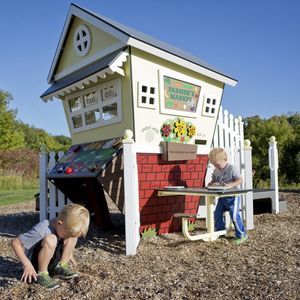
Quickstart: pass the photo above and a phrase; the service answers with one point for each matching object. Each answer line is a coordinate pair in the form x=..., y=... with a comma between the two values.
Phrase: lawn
x=16, y=196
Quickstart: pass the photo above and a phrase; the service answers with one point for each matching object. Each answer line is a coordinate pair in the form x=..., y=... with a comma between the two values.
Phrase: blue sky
x=256, y=42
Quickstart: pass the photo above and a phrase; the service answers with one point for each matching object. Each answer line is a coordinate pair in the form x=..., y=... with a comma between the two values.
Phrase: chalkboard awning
x=86, y=160
x=109, y=64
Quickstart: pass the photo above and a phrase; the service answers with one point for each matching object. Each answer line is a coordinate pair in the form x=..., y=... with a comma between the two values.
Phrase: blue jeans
x=232, y=205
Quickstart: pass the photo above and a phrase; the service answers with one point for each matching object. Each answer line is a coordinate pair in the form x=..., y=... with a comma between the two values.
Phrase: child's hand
x=228, y=185
x=29, y=274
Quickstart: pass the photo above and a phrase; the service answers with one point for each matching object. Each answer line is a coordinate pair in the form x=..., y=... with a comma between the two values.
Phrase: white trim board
x=89, y=60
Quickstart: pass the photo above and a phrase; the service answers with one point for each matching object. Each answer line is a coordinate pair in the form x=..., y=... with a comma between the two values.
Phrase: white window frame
x=101, y=103
x=210, y=106
x=148, y=95
x=181, y=77
x=83, y=39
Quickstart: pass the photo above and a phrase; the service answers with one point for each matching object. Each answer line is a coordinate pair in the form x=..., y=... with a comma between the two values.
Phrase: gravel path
x=167, y=267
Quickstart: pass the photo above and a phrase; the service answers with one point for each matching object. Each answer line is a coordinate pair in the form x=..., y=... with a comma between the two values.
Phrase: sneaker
x=46, y=281
x=64, y=272
x=239, y=241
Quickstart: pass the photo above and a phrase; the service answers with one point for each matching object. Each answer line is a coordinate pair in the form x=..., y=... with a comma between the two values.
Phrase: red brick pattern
x=157, y=212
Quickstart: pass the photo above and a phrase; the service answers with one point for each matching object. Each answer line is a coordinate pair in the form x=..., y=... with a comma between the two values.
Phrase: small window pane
x=109, y=92
x=74, y=104
x=214, y=102
x=207, y=109
x=208, y=100
x=144, y=99
x=90, y=99
x=92, y=117
x=212, y=110
x=144, y=89
x=151, y=101
x=152, y=90
x=77, y=121
x=110, y=111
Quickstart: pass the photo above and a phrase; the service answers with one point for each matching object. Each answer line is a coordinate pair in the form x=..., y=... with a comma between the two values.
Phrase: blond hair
x=75, y=219
x=217, y=153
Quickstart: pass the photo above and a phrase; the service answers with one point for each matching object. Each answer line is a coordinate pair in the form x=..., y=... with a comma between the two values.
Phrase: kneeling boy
x=48, y=246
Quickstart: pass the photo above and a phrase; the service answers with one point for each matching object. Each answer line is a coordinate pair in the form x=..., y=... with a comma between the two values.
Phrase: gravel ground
x=167, y=267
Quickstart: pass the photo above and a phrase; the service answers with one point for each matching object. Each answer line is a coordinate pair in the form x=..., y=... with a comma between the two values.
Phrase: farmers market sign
x=180, y=95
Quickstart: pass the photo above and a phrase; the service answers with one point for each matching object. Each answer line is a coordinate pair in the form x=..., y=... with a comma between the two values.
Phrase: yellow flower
x=179, y=128
x=191, y=131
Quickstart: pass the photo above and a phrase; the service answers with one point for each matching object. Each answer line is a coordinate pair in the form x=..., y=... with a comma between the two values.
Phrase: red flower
x=165, y=130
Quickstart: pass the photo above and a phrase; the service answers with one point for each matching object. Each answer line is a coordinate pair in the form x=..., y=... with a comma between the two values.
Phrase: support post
x=248, y=185
x=273, y=165
x=132, y=214
x=43, y=199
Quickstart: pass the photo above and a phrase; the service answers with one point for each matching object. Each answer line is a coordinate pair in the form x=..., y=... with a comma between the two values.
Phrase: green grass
x=17, y=182
x=16, y=196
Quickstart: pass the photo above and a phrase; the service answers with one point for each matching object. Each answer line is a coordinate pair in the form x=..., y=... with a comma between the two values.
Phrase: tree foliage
x=286, y=129
x=15, y=134
x=10, y=136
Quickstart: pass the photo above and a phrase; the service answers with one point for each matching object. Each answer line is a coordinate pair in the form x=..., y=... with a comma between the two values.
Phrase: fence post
x=43, y=199
x=248, y=185
x=52, y=189
x=131, y=193
x=273, y=164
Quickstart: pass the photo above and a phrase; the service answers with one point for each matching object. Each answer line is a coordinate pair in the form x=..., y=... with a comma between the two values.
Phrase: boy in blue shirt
x=49, y=246
x=228, y=176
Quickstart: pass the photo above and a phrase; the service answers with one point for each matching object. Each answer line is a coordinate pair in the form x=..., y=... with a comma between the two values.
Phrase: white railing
x=52, y=200
x=229, y=132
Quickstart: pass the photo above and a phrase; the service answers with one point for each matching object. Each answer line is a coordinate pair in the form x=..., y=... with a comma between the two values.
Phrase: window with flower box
x=96, y=106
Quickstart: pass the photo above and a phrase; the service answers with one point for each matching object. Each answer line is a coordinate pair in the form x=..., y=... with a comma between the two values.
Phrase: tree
x=10, y=136
x=64, y=141
x=291, y=158
x=36, y=137
x=286, y=130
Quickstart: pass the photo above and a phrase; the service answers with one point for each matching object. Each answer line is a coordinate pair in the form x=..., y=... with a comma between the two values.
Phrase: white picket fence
x=52, y=200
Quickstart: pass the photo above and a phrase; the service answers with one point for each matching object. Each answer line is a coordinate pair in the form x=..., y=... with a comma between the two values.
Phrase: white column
x=131, y=194
x=273, y=164
x=43, y=201
x=248, y=184
x=52, y=189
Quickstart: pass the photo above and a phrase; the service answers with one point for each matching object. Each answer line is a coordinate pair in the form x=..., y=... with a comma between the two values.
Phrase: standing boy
x=228, y=176
x=48, y=246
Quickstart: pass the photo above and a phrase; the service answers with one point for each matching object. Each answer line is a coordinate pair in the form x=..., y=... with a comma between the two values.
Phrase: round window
x=82, y=40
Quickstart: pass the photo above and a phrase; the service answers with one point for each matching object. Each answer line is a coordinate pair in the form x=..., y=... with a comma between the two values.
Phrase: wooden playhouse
x=110, y=79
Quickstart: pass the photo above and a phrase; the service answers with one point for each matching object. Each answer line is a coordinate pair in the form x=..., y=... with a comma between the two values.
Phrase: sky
x=256, y=42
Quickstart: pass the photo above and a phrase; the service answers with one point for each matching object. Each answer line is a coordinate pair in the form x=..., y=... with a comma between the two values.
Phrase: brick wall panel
x=154, y=173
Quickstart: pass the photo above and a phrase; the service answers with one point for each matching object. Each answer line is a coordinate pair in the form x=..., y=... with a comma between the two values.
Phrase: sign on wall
x=180, y=96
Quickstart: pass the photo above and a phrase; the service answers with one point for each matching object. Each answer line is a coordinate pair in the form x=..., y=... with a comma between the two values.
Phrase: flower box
x=178, y=151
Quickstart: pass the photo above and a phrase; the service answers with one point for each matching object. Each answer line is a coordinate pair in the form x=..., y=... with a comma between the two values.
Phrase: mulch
x=169, y=266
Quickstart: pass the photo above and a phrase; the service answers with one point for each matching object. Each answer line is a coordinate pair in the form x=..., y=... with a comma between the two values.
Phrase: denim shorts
x=34, y=254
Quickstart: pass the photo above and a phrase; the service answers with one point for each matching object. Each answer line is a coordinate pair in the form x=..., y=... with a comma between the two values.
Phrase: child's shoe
x=46, y=281
x=239, y=241
x=63, y=271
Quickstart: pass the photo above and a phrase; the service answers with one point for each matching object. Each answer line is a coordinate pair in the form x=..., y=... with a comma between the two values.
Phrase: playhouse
x=110, y=79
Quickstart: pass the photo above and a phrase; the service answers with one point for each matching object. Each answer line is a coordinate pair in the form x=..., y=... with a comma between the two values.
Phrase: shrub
x=19, y=162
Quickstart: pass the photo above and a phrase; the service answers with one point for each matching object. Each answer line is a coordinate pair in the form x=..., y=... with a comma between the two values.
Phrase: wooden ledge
x=184, y=215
